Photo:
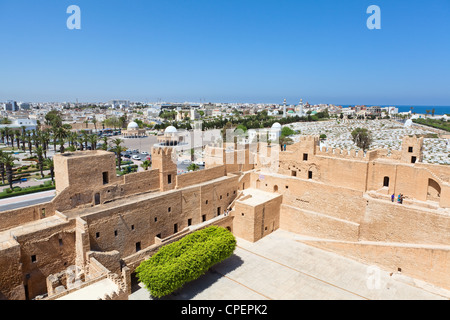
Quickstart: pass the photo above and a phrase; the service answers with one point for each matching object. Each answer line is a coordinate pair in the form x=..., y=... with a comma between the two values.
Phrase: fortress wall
x=427, y=264
x=54, y=249
x=11, y=278
x=313, y=224
x=337, y=202
x=339, y=172
x=391, y=222
x=16, y=217
x=184, y=204
x=196, y=177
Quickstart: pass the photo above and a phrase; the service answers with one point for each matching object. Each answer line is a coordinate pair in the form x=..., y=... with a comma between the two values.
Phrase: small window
x=156, y=219
x=242, y=214
x=105, y=178
x=310, y=174
x=293, y=173
x=204, y=218
x=228, y=194
x=410, y=149
x=175, y=228
x=413, y=159
x=132, y=227
x=169, y=209
x=60, y=242
x=43, y=212
x=287, y=187
x=169, y=179
x=115, y=233
x=33, y=258
x=189, y=222
x=138, y=246
x=305, y=157
x=97, y=235
x=220, y=197
x=386, y=182
x=159, y=235
x=206, y=201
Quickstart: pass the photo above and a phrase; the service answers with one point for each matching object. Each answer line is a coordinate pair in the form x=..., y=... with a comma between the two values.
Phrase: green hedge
x=8, y=193
x=185, y=260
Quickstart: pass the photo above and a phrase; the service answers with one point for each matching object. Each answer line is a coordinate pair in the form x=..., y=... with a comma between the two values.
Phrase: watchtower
x=412, y=149
x=164, y=159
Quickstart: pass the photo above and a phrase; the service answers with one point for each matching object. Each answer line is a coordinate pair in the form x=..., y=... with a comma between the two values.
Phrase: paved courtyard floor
x=279, y=267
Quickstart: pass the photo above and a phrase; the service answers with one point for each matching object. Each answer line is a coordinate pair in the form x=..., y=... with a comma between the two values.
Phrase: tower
x=284, y=108
x=165, y=160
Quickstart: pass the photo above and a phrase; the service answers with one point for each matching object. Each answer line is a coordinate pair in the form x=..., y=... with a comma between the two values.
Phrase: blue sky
x=226, y=51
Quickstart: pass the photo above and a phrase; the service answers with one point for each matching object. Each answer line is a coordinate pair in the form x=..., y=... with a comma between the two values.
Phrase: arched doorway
x=434, y=190
x=275, y=188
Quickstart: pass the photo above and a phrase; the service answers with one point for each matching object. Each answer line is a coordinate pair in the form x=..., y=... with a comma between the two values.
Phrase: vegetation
x=435, y=123
x=193, y=167
x=18, y=191
x=185, y=260
x=362, y=138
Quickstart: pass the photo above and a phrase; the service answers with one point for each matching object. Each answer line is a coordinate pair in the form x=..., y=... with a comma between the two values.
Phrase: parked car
x=136, y=157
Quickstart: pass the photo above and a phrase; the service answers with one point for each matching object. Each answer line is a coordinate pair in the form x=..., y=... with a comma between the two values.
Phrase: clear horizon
x=218, y=51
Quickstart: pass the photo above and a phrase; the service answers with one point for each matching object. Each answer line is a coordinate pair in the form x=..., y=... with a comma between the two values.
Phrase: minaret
x=284, y=108
x=300, y=107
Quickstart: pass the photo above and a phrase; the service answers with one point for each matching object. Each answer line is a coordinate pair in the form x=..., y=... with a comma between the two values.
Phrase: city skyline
x=251, y=52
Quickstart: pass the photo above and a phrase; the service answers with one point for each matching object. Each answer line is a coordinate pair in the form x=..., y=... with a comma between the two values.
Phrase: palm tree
x=39, y=153
x=8, y=160
x=105, y=143
x=51, y=166
x=61, y=134
x=117, y=148
x=93, y=138
x=146, y=164
x=2, y=166
x=94, y=121
x=17, y=134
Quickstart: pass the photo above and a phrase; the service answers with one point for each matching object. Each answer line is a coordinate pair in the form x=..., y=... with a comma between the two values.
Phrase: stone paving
x=279, y=267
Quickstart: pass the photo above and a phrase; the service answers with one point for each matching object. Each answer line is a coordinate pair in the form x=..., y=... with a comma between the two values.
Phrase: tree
x=8, y=160
x=193, y=167
x=185, y=260
x=118, y=149
x=2, y=166
x=362, y=138
x=286, y=131
x=39, y=153
x=60, y=134
x=51, y=166
x=146, y=164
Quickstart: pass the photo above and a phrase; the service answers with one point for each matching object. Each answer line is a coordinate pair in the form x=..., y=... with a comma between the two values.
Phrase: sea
x=439, y=110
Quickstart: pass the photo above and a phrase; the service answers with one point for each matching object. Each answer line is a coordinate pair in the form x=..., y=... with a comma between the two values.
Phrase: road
x=26, y=200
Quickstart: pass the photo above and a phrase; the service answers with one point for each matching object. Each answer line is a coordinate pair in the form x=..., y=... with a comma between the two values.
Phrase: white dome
x=408, y=123
x=171, y=129
x=276, y=125
x=133, y=126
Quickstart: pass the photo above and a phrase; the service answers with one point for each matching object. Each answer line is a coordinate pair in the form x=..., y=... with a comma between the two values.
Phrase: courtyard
x=280, y=267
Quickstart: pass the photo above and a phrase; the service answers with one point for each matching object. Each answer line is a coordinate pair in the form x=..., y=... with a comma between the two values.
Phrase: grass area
x=434, y=123
x=18, y=191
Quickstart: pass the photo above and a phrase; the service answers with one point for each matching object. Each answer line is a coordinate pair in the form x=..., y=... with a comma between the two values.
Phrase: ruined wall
x=43, y=252
x=11, y=278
